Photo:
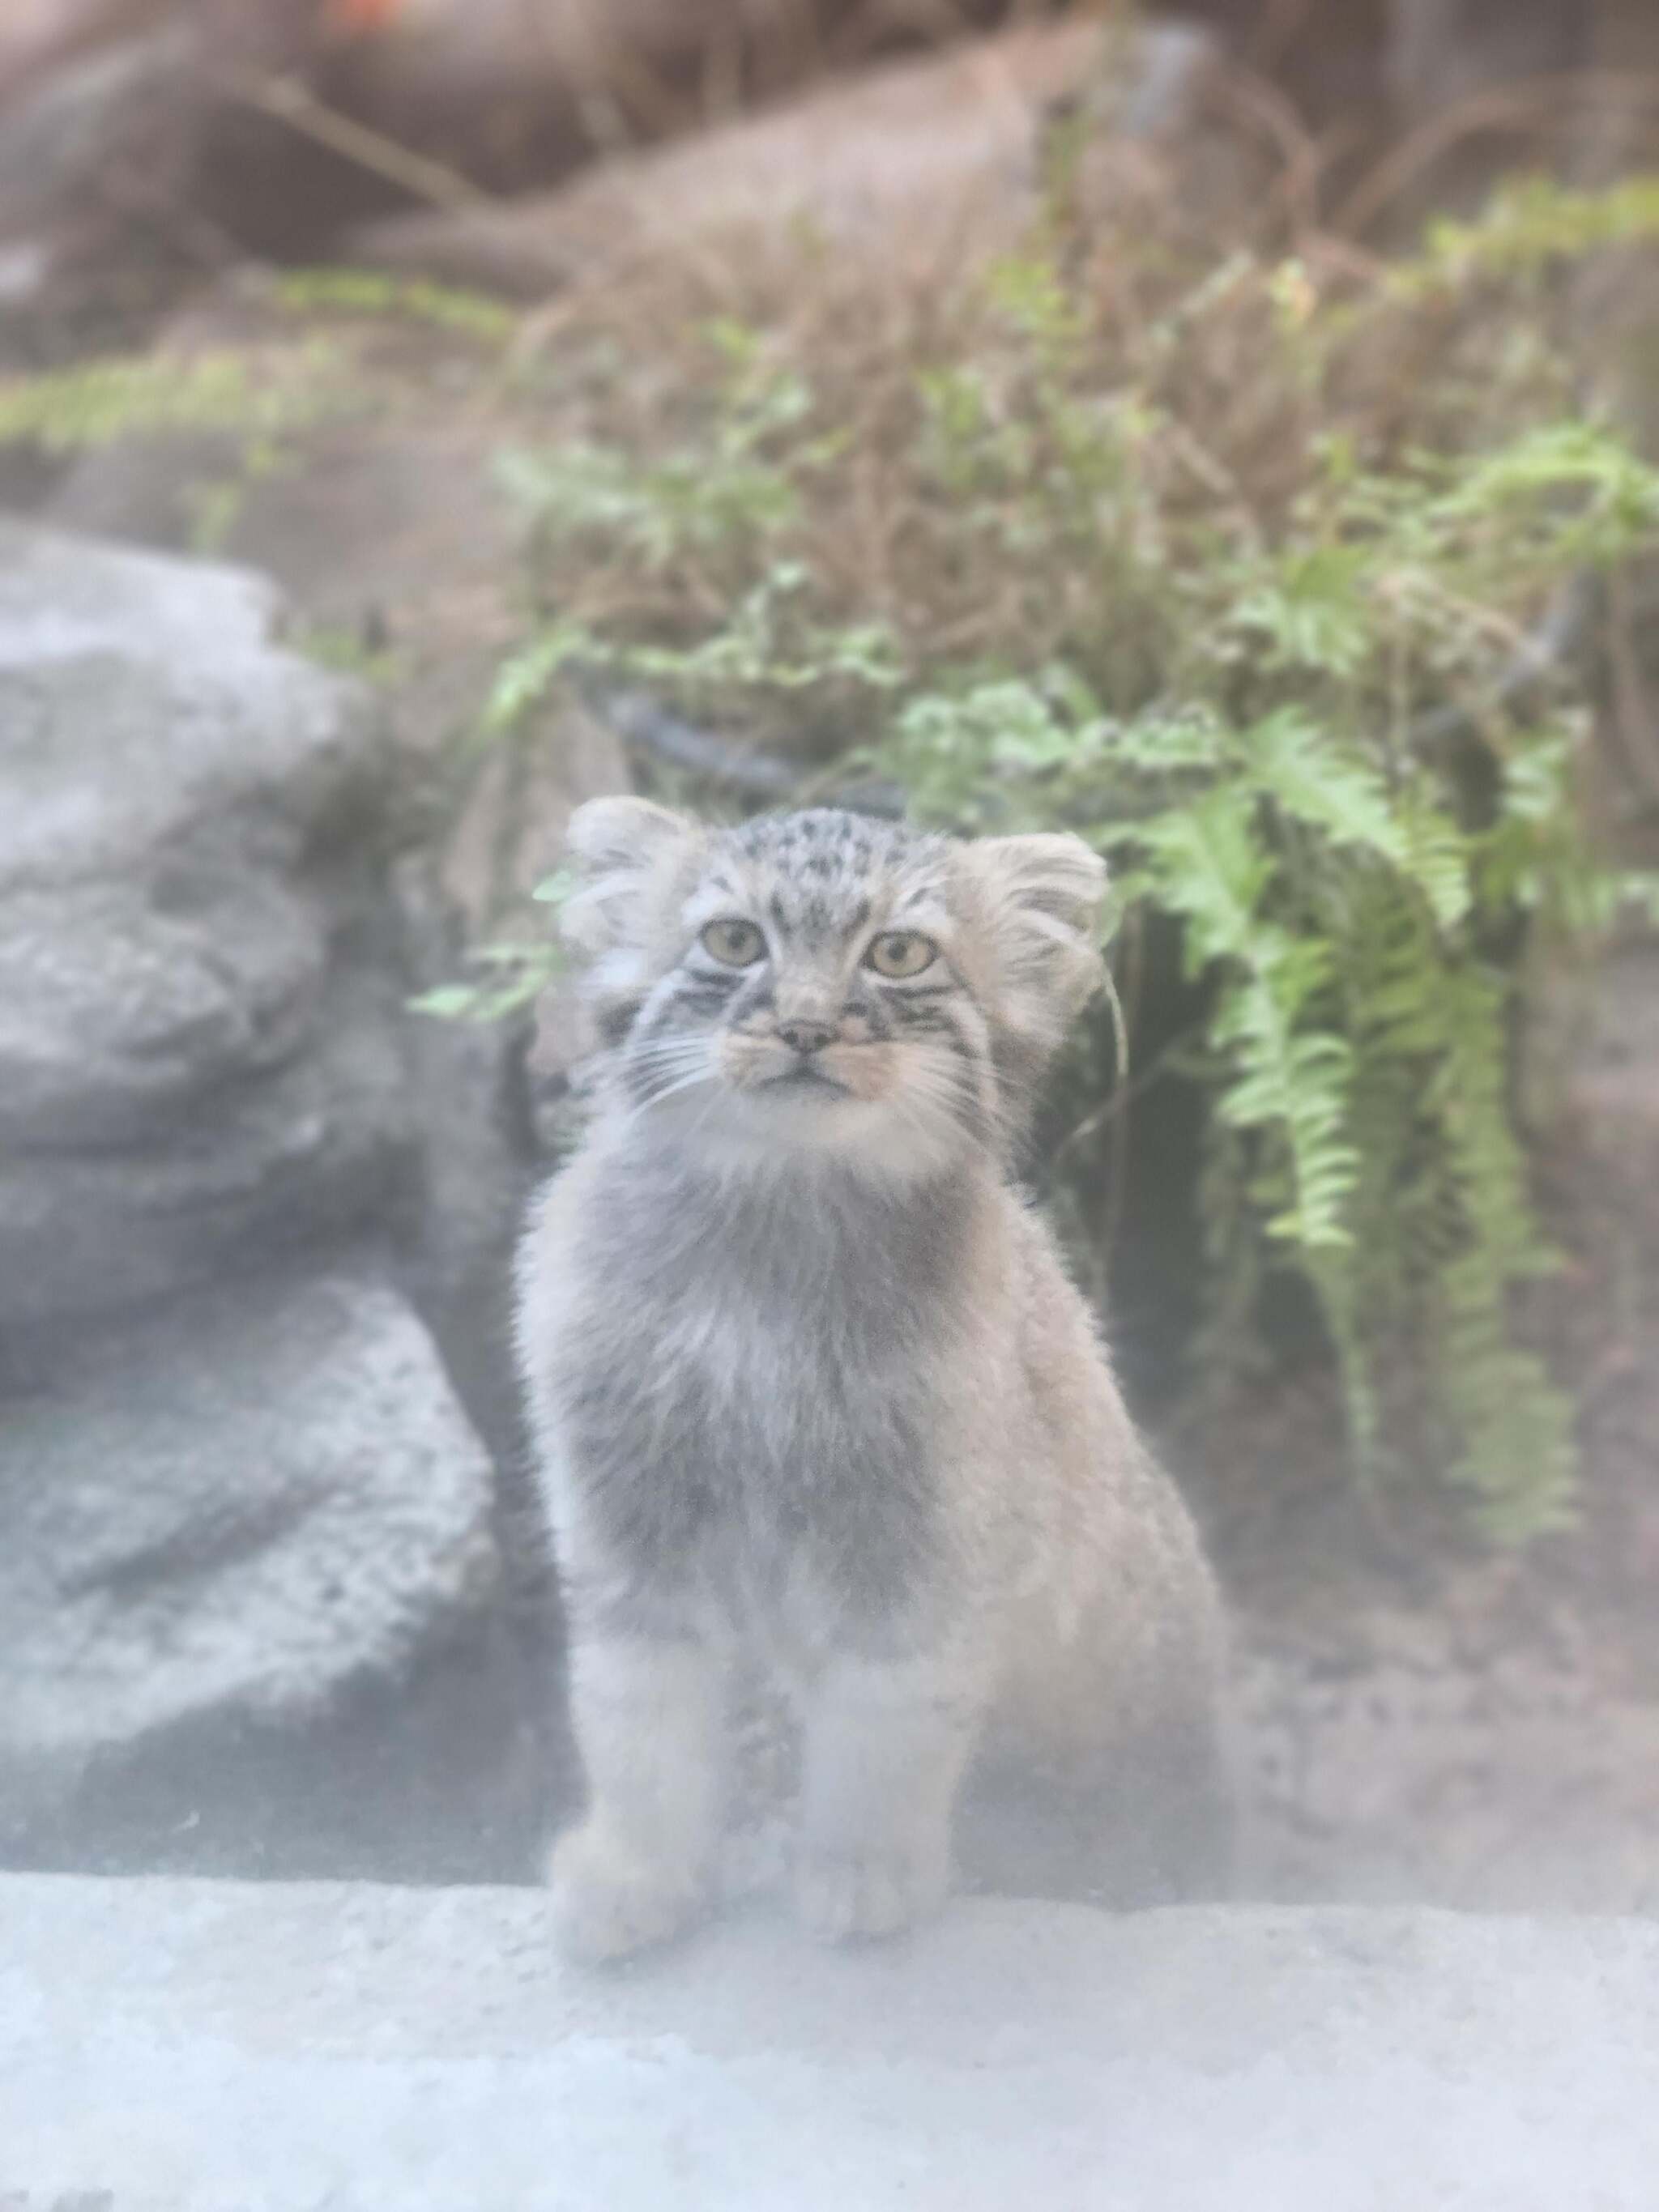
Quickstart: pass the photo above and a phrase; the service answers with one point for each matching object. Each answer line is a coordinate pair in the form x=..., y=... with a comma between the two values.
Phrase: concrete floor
x=181, y=2046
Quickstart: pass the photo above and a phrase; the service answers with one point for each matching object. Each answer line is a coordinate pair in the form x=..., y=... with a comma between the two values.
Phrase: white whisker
x=690, y=1082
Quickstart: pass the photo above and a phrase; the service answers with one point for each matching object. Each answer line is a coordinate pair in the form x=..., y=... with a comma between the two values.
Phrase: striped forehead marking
x=818, y=870
x=823, y=860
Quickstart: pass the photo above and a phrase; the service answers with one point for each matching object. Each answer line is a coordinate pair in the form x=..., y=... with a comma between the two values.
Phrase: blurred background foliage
x=1268, y=542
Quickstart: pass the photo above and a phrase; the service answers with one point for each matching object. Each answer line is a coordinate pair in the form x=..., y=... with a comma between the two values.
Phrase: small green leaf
x=448, y=1002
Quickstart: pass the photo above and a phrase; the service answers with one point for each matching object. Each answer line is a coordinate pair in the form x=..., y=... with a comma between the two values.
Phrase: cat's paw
x=608, y=1905
x=843, y=1894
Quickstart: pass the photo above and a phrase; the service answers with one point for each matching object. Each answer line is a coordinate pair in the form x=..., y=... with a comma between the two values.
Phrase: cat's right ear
x=633, y=860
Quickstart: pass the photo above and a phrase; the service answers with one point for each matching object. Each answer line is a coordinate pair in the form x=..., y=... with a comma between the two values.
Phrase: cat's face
x=822, y=983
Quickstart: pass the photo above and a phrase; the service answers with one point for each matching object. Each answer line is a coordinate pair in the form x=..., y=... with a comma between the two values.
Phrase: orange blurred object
x=358, y=19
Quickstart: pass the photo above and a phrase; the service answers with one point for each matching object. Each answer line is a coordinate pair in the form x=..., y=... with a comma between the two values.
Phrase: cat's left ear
x=1040, y=897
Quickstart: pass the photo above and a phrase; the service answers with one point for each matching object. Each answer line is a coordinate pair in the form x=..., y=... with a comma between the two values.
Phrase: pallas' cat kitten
x=810, y=1386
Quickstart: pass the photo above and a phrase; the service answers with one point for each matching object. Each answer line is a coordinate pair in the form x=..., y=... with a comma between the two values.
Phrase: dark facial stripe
x=870, y=1010
x=703, y=996
x=907, y=1013
x=614, y=1021
x=933, y=1020
x=759, y=996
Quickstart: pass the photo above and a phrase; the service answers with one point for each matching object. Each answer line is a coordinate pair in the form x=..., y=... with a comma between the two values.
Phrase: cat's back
x=1106, y=1504
x=1064, y=1362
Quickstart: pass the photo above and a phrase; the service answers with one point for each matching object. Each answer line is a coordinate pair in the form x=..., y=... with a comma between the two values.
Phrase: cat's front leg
x=650, y=1720
x=886, y=1744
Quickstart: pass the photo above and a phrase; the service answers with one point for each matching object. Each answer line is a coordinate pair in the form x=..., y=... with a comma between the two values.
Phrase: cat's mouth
x=806, y=1080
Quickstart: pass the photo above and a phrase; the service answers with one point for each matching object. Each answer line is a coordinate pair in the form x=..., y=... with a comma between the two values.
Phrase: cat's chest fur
x=747, y=1379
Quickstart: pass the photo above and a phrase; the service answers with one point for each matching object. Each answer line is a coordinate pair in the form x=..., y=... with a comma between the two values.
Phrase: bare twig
x=1263, y=106
x=645, y=726
x=1544, y=653
x=1562, y=96
x=292, y=101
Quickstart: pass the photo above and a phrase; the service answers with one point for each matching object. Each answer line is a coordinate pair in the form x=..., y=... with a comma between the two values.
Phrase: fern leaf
x=1315, y=779
x=1212, y=871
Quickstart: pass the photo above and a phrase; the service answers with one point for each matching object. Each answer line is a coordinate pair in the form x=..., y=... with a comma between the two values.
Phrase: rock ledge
x=202, y=2047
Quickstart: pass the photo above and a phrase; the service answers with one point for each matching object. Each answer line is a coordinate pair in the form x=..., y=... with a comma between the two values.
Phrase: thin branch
x=1544, y=653
x=645, y=726
x=292, y=101
x=1564, y=95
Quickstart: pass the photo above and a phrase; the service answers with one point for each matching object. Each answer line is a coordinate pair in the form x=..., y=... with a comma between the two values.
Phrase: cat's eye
x=901, y=952
x=733, y=943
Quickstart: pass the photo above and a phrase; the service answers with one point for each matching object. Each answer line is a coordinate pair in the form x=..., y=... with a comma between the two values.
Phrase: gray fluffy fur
x=812, y=1393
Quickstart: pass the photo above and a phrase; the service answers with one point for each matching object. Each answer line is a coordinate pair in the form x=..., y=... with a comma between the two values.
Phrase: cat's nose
x=806, y=1036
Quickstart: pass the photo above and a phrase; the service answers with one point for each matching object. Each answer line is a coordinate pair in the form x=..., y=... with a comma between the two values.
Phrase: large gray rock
x=188, y=2048
x=198, y=1050
x=388, y=527
x=232, y=1512
x=249, y=1541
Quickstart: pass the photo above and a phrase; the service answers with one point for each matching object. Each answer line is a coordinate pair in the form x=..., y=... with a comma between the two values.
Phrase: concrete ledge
x=207, y=2047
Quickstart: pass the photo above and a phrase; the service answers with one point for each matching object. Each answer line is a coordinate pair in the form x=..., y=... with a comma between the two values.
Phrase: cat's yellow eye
x=901, y=952
x=733, y=943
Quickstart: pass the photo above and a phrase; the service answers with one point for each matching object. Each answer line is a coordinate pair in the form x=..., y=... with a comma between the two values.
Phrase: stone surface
x=380, y=519
x=39, y=35
x=249, y=1540
x=1433, y=1721
x=1609, y=1086
x=509, y=94
x=198, y=1033
x=189, y=2048
x=1423, y=1754
x=383, y=525
x=232, y=1511
x=96, y=149
x=921, y=155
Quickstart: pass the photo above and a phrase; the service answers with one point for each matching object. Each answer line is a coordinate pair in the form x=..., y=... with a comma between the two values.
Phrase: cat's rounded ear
x=623, y=831
x=629, y=854
x=1040, y=897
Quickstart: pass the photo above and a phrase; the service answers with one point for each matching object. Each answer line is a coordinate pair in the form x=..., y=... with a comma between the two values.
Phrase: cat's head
x=821, y=982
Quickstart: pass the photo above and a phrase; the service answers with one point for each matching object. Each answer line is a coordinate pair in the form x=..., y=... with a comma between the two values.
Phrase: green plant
x=514, y=973
x=329, y=351
x=1167, y=560
x=370, y=292
x=1222, y=556
x=94, y=403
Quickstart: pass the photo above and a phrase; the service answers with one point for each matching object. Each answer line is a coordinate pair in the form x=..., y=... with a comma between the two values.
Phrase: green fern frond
x=1212, y=871
x=1315, y=779
x=1439, y=855
x=1311, y=612
x=1528, y=224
